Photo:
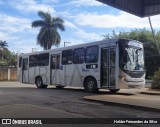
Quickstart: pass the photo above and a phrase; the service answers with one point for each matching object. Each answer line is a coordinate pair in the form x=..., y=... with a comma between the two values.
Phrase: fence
x=8, y=74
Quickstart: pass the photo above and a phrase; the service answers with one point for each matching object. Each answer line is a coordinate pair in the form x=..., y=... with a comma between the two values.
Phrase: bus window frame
x=41, y=63
x=78, y=56
x=35, y=62
x=96, y=54
x=66, y=61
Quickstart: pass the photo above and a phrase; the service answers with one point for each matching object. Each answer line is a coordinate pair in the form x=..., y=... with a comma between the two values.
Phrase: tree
x=156, y=80
x=3, y=44
x=10, y=58
x=49, y=26
x=142, y=35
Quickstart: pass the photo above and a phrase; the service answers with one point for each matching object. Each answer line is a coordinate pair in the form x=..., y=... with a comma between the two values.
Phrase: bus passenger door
x=25, y=70
x=108, y=67
x=55, y=66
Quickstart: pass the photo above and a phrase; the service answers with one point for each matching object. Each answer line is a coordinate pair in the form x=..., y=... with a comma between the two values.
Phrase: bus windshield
x=132, y=56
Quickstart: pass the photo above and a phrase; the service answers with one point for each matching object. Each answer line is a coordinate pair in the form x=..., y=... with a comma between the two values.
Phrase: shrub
x=156, y=80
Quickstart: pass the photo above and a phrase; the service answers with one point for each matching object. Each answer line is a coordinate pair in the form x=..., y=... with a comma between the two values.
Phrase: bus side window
x=92, y=54
x=43, y=59
x=33, y=60
x=67, y=57
x=78, y=56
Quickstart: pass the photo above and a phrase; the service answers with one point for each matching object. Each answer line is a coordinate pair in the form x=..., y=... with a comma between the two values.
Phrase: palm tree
x=3, y=44
x=48, y=34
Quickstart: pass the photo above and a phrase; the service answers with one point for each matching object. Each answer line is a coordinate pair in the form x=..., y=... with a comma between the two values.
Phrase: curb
x=123, y=105
x=150, y=93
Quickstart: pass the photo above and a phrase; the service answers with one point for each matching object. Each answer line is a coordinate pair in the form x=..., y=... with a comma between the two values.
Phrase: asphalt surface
x=26, y=101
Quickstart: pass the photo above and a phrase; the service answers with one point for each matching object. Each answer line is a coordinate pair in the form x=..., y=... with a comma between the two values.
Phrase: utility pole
x=153, y=35
x=65, y=43
x=33, y=49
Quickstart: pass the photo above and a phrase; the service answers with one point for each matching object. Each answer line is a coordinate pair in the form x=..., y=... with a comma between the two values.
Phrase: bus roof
x=76, y=46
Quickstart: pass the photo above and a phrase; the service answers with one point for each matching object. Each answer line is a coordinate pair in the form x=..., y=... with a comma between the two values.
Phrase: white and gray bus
x=110, y=64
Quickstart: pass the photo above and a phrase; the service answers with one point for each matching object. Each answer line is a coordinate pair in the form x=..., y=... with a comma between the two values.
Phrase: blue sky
x=85, y=21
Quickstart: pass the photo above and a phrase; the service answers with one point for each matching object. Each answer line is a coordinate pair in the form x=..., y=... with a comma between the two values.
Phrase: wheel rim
x=39, y=82
x=90, y=84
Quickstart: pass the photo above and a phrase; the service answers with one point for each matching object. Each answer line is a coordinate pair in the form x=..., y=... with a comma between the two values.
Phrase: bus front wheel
x=39, y=83
x=90, y=85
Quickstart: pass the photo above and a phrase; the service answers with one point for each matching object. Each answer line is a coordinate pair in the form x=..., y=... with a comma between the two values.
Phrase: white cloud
x=32, y=6
x=83, y=3
x=8, y=36
x=70, y=25
x=49, y=1
x=3, y=35
x=14, y=31
x=14, y=24
x=82, y=34
x=111, y=21
x=66, y=14
x=87, y=36
x=23, y=48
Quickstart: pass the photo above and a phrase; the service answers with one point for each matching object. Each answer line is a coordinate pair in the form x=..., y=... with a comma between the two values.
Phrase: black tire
x=44, y=86
x=59, y=87
x=114, y=90
x=39, y=83
x=90, y=85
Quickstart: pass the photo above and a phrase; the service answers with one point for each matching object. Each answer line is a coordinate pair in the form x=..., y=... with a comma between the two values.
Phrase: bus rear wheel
x=39, y=83
x=90, y=85
x=114, y=90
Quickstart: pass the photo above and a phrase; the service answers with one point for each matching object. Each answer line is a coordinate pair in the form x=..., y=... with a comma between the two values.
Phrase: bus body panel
x=106, y=71
x=44, y=73
x=33, y=71
x=77, y=76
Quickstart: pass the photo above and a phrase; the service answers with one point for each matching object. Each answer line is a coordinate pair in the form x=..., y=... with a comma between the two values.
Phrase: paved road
x=26, y=101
